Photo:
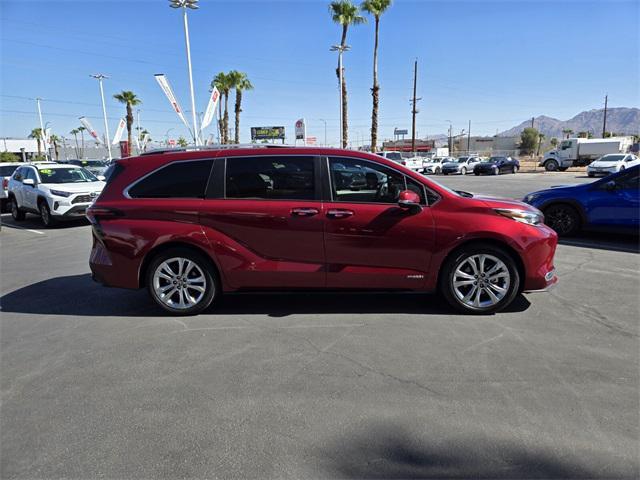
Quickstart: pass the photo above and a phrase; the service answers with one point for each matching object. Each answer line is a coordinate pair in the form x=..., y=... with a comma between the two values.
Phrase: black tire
x=563, y=218
x=212, y=284
x=591, y=174
x=16, y=213
x=551, y=165
x=445, y=173
x=458, y=258
x=477, y=174
x=563, y=169
x=463, y=171
x=514, y=169
x=437, y=171
x=496, y=171
x=45, y=214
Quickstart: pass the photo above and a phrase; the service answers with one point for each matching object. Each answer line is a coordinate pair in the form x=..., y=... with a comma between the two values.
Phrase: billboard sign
x=301, y=129
x=267, y=133
x=400, y=131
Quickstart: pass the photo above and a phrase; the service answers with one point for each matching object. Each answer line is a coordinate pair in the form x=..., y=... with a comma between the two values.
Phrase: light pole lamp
x=107, y=140
x=340, y=49
x=193, y=5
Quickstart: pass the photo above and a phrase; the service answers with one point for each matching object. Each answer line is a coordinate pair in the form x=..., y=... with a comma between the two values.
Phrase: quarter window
x=177, y=180
x=270, y=178
x=354, y=180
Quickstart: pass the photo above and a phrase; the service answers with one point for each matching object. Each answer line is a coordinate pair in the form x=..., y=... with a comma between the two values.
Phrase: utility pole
x=107, y=140
x=604, y=122
x=450, y=143
x=532, y=120
x=414, y=110
x=469, y=138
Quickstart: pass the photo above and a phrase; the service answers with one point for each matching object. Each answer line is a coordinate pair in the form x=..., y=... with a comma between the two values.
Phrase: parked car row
x=54, y=191
x=456, y=166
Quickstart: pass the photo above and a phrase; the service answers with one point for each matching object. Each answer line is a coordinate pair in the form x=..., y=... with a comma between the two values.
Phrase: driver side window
x=361, y=181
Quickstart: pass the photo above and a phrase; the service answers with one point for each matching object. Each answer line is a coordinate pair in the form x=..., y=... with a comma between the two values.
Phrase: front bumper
x=450, y=171
x=601, y=170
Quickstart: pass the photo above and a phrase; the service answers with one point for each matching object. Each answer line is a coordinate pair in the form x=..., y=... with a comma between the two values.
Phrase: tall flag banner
x=145, y=140
x=119, y=131
x=166, y=88
x=85, y=123
x=211, y=109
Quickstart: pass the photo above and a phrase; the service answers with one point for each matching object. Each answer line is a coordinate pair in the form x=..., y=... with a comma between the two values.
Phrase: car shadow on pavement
x=387, y=451
x=83, y=297
x=618, y=242
x=34, y=223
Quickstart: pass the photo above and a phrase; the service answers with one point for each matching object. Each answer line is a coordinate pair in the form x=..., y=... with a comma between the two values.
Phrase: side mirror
x=409, y=199
x=610, y=186
x=101, y=178
x=29, y=181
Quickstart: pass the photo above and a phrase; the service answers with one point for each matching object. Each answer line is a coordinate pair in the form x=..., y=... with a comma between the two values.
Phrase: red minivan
x=190, y=225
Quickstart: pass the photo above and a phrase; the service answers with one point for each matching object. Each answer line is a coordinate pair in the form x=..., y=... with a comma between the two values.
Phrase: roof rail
x=216, y=147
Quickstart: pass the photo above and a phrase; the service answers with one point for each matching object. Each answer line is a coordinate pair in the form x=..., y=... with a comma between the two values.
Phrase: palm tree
x=81, y=129
x=344, y=13
x=37, y=134
x=540, y=138
x=567, y=132
x=239, y=82
x=375, y=8
x=54, y=140
x=130, y=100
x=75, y=133
x=182, y=141
x=224, y=83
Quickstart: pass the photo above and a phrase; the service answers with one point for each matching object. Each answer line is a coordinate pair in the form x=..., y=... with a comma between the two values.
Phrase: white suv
x=53, y=191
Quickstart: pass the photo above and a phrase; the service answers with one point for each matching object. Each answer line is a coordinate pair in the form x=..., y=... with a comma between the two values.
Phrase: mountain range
x=620, y=120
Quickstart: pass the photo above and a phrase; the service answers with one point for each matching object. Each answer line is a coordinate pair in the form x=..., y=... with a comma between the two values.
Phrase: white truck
x=579, y=152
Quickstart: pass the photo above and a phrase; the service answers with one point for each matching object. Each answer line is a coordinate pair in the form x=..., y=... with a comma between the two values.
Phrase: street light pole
x=325, y=130
x=107, y=139
x=192, y=4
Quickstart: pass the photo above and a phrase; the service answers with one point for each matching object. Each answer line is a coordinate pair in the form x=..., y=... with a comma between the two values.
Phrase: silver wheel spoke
x=188, y=268
x=191, y=281
x=460, y=273
x=463, y=282
x=197, y=288
x=492, y=295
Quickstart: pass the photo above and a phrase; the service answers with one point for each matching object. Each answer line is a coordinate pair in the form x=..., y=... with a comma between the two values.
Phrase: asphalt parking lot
x=97, y=382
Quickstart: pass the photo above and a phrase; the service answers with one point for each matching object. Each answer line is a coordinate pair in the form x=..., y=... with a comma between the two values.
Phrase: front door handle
x=304, y=212
x=339, y=213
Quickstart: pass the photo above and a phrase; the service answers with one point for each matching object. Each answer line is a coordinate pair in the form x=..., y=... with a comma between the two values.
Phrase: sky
x=494, y=63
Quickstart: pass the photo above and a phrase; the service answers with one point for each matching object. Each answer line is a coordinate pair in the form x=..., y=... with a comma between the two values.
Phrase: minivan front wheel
x=182, y=282
x=480, y=279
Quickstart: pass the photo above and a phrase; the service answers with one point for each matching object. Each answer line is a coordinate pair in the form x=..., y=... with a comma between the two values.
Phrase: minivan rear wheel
x=182, y=281
x=480, y=279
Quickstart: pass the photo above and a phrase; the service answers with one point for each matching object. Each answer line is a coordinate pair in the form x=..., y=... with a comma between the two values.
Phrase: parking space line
x=16, y=227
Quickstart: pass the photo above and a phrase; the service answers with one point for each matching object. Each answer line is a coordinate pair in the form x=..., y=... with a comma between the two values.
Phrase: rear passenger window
x=270, y=178
x=177, y=180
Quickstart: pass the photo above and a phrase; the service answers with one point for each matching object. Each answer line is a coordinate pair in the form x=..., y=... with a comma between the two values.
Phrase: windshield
x=7, y=170
x=463, y=159
x=497, y=159
x=611, y=158
x=394, y=156
x=66, y=175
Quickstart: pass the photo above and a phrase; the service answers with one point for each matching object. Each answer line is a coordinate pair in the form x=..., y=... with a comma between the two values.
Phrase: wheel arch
x=163, y=247
x=493, y=242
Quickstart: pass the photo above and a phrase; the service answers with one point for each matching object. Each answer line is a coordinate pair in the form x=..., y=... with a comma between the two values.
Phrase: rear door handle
x=304, y=212
x=339, y=213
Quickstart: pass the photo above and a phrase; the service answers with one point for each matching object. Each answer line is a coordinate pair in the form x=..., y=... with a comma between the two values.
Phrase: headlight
x=522, y=216
x=60, y=193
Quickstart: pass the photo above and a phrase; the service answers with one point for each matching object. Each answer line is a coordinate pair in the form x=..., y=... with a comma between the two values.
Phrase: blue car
x=611, y=204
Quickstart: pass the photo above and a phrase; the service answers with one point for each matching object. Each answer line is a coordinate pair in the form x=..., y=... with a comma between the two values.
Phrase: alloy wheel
x=179, y=283
x=481, y=281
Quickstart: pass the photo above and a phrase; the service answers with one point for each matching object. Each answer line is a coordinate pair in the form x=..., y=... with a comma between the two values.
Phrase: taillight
x=95, y=214
x=5, y=183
